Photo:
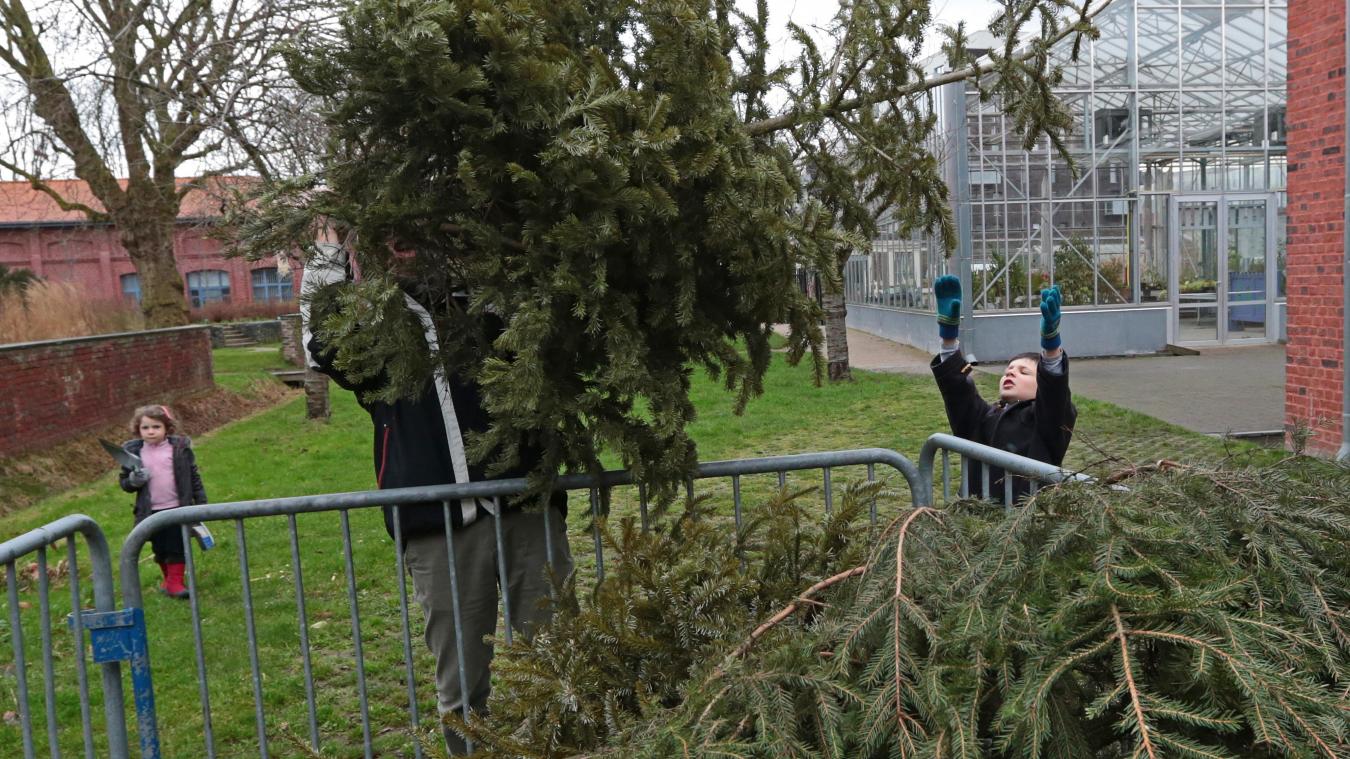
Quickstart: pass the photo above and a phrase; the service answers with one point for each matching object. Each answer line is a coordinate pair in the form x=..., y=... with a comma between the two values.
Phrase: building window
x=131, y=287
x=268, y=285
x=207, y=286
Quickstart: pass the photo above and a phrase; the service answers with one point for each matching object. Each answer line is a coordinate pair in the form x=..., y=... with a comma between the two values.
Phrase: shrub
x=222, y=311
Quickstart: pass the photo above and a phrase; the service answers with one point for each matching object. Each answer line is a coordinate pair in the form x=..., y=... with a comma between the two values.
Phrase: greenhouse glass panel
x=1077, y=74
x=1112, y=248
x=1038, y=175
x=1244, y=171
x=1157, y=45
x=1113, y=174
x=1072, y=182
x=1159, y=120
x=1160, y=173
x=1077, y=138
x=1278, y=49
x=1035, y=261
x=1278, y=176
x=1015, y=177
x=1245, y=119
x=1202, y=171
x=1281, y=218
x=1201, y=120
x=1201, y=46
x=1153, y=247
x=1245, y=48
x=1109, y=51
x=1112, y=123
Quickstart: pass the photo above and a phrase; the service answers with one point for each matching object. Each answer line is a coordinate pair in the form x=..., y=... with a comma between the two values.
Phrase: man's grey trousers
x=476, y=573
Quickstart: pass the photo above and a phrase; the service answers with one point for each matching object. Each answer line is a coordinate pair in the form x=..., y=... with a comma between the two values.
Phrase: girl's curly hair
x=157, y=412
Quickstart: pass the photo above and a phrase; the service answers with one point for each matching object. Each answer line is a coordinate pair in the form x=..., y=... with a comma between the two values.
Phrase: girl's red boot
x=164, y=572
x=173, y=580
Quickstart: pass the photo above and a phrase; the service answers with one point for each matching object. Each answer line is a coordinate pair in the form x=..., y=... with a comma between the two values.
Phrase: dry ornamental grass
x=53, y=310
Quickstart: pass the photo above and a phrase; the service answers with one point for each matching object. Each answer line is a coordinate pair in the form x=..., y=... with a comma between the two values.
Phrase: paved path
x=867, y=351
x=1222, y=390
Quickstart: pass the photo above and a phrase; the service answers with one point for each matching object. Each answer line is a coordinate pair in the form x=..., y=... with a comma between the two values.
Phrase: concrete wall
x=907, y=327
x=1314, y=365
x=998, y=336
x=53, y=390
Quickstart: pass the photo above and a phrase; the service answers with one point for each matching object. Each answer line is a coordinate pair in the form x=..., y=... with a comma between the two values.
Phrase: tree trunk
x=149, y=243
x=836, y=337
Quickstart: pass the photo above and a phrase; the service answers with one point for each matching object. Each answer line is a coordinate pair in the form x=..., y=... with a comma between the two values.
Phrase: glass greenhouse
x=1170, y=232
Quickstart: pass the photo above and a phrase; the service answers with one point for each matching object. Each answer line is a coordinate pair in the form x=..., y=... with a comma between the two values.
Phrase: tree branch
x=900, y=715
x=41, y=186
x=787, y=611
x=54, y=104
x=794, y=117
x=1129, y=680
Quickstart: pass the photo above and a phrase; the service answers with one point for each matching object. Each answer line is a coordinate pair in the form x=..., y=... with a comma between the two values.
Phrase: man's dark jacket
x=187, y=481
x=411, y=445
x=1039, y=429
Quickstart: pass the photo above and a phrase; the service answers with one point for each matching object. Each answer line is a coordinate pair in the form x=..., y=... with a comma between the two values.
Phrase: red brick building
x=36, y=234
x=1315, y=363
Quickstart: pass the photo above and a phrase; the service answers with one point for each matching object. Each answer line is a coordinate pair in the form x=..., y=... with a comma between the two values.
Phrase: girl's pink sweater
x=158, y=462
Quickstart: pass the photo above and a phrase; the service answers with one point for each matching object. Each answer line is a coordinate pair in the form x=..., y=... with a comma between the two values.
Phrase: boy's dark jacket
x=410, y=447
x=1039, y=429
x=186, y=479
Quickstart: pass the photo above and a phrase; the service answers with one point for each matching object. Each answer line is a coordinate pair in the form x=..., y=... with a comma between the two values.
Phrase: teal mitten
x=947, y=289
x=1050, y=301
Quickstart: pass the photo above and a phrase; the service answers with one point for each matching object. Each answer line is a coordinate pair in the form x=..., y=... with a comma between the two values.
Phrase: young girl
x=167, y=478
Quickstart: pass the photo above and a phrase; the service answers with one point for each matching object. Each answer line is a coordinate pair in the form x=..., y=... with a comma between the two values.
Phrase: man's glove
x=137, y=478
x=947, y=289
x=1050, y=300
x=329, y=265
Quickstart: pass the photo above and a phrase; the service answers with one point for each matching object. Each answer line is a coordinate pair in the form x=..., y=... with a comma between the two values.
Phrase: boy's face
x=1018, y=382
x=152, y=430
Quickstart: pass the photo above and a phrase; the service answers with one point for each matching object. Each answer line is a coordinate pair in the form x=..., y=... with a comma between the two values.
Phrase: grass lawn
x=279, y=453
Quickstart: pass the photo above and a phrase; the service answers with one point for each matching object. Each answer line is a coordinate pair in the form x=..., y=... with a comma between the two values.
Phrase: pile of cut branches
x=1200, y=613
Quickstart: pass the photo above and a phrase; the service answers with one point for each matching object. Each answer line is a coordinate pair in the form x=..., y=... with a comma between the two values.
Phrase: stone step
x=239, y=342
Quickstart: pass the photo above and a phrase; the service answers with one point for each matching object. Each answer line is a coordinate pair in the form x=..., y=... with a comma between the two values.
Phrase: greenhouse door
x=1222, y=279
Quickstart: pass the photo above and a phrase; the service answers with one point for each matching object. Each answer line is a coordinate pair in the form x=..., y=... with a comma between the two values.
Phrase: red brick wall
x=93, y=257
x=55, y=389
x=1313, y=369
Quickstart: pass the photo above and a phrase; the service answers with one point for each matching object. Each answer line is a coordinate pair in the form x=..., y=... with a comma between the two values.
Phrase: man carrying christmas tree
x=421, y=441
x=1034, y=415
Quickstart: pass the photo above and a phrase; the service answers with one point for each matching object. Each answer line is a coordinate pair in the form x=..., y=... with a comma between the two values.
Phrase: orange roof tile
x=20, y=203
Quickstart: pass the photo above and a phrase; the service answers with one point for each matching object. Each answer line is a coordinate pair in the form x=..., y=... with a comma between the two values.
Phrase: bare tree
x=126, y=95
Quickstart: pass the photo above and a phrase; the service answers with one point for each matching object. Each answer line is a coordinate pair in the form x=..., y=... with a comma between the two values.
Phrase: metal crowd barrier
x=976, y=461
x=344, y=502
x=119, y=635
x=112, y=633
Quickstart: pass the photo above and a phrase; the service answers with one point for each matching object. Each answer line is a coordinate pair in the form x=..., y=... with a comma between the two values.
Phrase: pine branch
x=800, y=115
x=807, y=596
x=1135, y=701
x=901, y=717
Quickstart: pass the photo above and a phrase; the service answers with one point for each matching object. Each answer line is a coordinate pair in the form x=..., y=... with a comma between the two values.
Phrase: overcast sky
x=976, y=14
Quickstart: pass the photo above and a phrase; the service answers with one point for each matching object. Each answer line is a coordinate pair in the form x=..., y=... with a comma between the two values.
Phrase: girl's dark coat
x=186, y=479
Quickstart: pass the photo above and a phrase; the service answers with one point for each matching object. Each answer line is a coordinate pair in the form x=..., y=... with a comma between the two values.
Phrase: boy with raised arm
x=1034, y=415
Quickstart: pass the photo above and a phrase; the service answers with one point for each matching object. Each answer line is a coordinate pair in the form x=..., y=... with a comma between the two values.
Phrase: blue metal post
x=120, y=636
